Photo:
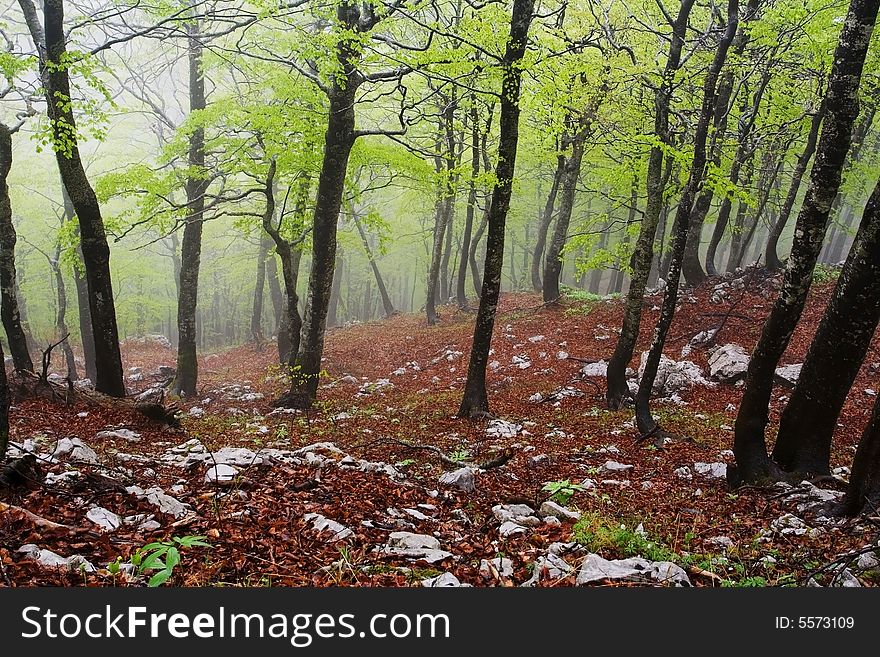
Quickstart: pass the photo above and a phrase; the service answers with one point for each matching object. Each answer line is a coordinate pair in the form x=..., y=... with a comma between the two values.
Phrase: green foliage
x=163, y=557
x=615, y=539
x=561, y=491
x=823, y=274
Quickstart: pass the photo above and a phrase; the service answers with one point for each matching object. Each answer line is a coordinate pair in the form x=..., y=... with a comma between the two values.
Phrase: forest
x=439, y=293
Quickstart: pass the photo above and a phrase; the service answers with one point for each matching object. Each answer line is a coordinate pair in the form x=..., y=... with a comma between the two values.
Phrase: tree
x=753, y=463
x=646, y=423
x=18, y=346
x=643, y=254
x=838, y=348
x=475, y=401
x=54, y=64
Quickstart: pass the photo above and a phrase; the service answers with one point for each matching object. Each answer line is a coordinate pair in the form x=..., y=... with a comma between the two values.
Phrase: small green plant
x=114, y=568
x=460, y=455
x=825, y=274
x=748, y=582
x=163, y=557
x=561, y=491
x=602, y=535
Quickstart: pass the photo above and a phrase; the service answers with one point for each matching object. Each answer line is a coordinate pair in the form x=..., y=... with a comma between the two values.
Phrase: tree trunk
x=863, y=492
x=544, y=224
x=643, y=254
x=841, y=109
x=196, y=186
x=275, y=293
x=460, y=294
x=387, y=305
x=259, y=293
x=553, y=257
x=431, y=290
x=95, y=250
x=4, y=408
x=18, y=347
x=644, y=420
x=771, y=257
x=836, y=353
x=338, y=142
x=61, y=329
x=333, y=311
x=475, y=401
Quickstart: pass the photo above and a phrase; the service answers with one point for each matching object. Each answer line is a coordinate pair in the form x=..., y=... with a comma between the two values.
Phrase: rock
x=338, y=532
x=674, y=376
x=701, y=338
x=238, y=456
x=683, y=472
x=522, y=362
x=549, y=567
x=166, y=370
x=348, y=378
x=595, y=369
x=614, y=466
x=375, y=386
x=846, y=579
x=513, y=512
x=52, y=560
x=161, y=500
x=221, y=474
x=789, y=524
x=75, y=450
x=502, y=565
x=595, y=569
x=461, y=479
x=414, y=546
x=122, y=434
x=721, y=541
x=788, y=375
x=536, y=338
x=106, y=520
x=867, y=561
x=728, y=364
x=446, y=580
x=62, y=478
x=412, y=541
x=711, y=470
x=503, y=429
x=551, y=508
x=83, y=384
x=561, y=355
x=317, y=447
x=196, y=411
x=415, y=513
x=510, y=528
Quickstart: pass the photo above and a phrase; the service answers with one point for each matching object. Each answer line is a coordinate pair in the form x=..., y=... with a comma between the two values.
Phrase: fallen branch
x=497, y=462
x=39, y=521
x=696, y=570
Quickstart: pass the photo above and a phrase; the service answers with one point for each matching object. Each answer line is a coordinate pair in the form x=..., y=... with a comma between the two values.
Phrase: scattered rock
x=788, y=375
x=106, y=520
x=446, y=580
x=503, y=429
x=161, y=500
x=551, y=508
x=321, y=524
x=122, y=434
x=75, y=450
x=510, y=528
x=789, y=524
x=614, y=466
x=595, y=569
x=461, y=479
x=711, y=470
x=221, y=474
x=683, y=472
x=728, y=364
x=674, y=376
x=720, y=541
x=502, y=565
x=595, y=369
x=52, y=560
x=415, y=547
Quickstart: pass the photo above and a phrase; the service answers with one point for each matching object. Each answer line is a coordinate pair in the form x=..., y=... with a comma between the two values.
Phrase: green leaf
x=159, y=578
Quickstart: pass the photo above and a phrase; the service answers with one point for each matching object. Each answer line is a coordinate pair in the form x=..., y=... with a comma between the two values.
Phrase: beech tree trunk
x=836, y=353
x=863, y=492
x=461, y=281
x=18, y=346
x=195, y=186
x=553, y=258
x=95, y=250
x=644, y=420
x=475, y=401
x=544, y=224
x=771, y=257
x=259, y=295
x=4, y=408
x=387, y=305
x=753, y=464
x=644, y=250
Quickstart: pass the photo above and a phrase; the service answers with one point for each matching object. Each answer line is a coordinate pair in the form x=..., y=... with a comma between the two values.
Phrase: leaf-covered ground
x=257, y=525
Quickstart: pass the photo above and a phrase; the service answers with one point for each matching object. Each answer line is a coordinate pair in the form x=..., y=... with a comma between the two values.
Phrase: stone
x=561, y=355
x=615, y=466
x=510, y=528
x=221, y=474
x=551, y=508
x=122, y=434
x=461, y=479
x=674, y=376
x=536, y=338
x=371, y=387
x=789, y=524
x=413, y=541
x=728, y=363
x=514, y=512
x=338, y=532
x=62, y=478
x=595, y=369
x=846, y=579
x=549, y=567
x=724, y=542
x=711, y=470
x=595, y=569
x=238, y=456
x=418, y=515
x=446, y=580
x=867, y=561
x=196, y=411
x=503, y=566
x=700, y=339
x=75, y=450
x=317, y=447
x=161, y=500
x=788, y=375
x=51, y=559
x=683, y=472
x=106, y=520
x=503, y=429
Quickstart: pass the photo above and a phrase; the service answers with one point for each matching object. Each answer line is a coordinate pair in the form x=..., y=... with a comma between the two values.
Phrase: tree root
x=36, y=520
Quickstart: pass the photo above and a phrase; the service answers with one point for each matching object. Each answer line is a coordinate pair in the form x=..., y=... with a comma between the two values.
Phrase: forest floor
x=397, y=381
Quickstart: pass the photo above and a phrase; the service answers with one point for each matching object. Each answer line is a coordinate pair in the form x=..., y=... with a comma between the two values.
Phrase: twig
x=39, y=521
